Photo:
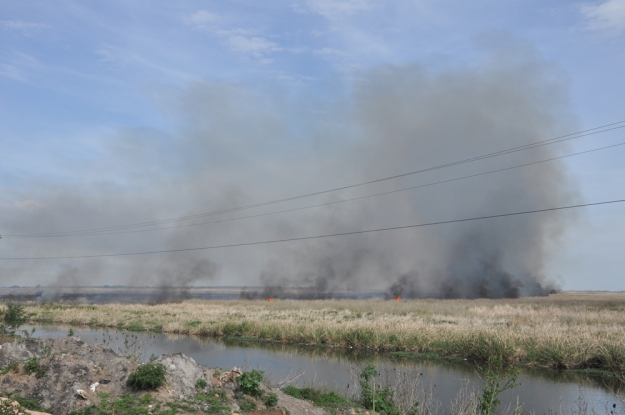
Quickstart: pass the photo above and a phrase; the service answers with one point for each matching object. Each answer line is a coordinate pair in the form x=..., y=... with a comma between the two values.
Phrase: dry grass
x=570, y=330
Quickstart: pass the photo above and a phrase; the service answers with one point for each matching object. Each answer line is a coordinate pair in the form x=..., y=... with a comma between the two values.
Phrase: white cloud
x=608, y=17
x=12, y=72
x=255, y=46
x=21, y=25
x=201, y=19
x=246, y=42
x=333, y=9
x=330, y=52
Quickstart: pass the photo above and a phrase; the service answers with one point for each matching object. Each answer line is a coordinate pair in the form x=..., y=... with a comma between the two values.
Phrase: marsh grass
x=562, y=331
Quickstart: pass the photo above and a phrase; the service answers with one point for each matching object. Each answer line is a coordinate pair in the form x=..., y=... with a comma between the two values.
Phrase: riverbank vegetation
x=562, y=331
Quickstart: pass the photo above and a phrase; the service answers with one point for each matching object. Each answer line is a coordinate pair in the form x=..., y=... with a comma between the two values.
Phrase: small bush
x=12, y=318
x=246, y=404
x=147, y=376
x=249, y=383
x=271, y=400
x=374, y=396
x=201, y=384
x=34, y=365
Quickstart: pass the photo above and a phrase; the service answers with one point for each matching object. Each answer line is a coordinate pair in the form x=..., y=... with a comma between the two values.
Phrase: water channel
x=540, y=391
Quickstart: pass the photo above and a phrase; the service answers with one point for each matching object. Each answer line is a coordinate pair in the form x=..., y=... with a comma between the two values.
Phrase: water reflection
x=540, y=391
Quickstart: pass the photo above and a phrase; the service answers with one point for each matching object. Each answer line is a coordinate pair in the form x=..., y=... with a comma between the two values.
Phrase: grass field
x=562, y=331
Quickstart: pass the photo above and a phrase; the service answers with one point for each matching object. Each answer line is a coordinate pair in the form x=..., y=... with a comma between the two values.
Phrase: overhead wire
x=101, y=233
x=331, y=235
x=579, y=134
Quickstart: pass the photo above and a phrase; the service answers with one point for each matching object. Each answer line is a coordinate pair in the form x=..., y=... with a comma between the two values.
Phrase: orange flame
x=270, y=299
x=398, y=298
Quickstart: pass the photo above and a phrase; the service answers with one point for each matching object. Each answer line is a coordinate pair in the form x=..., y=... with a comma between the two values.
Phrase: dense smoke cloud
x=237, y=146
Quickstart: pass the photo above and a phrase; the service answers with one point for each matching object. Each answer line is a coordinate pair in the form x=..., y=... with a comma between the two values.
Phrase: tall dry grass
x=571, y=330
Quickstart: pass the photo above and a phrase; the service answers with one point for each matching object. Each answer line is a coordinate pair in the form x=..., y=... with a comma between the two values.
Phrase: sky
x=116, y=113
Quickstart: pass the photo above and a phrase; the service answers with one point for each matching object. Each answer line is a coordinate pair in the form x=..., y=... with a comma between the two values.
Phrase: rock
x=183, y=373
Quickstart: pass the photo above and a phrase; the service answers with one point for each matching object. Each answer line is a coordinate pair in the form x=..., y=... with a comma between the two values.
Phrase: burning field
x=560, y=331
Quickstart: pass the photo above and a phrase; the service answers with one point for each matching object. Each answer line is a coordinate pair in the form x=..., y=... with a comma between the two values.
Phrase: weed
x=7, y=407
x=249, y=383
x=271, y=400
x=147, y=376
x=246, y=404
x=212, y=402
x=496, y=379
x=328, y=400
x=12, y=367
x=70, y=333
x=31, y=404
x=34, y=365
x=380, y=400
x=201, y=384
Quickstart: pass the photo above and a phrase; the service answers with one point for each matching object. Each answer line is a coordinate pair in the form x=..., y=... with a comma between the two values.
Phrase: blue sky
x=95, y=97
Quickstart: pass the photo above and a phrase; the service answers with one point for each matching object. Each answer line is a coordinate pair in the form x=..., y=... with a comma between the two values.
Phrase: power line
x=331, y=235
x=101, y=233
x=541, y=143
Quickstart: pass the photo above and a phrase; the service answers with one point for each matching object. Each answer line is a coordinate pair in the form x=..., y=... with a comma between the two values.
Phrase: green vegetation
x=12, y=367
x=374, y=396
x=249, y=383
x=320, y=398
x=147, y=376
x=7, y=407
x=126, y=404
x=12, y=317
x=497, y=378
x=201, y=384
x=34, y=365
x=570, y=331
x=213, y=402
x=271, y=400
x=246, y=403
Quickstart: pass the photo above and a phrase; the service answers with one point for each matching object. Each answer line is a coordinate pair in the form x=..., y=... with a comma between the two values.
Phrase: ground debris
x=69, y=375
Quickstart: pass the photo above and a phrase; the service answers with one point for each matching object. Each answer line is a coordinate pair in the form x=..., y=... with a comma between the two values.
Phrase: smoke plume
x=237, y=146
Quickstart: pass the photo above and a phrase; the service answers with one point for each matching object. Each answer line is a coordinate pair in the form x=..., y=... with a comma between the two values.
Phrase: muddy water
x=539, y=391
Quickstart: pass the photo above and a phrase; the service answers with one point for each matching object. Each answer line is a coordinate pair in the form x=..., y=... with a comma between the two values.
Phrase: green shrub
x=12, y=318
x=201, y=384
x=34, y=365
x=374, y=396
x=271, y=400
x=246, y=404
x=249, y=383
x=497, y=379
x=147, y=376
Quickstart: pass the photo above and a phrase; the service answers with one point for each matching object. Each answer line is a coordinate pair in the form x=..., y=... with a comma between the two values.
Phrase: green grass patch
x=135, y=326
x=320, y=398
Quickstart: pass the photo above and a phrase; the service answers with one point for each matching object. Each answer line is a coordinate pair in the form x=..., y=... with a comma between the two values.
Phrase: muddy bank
x=70, y=376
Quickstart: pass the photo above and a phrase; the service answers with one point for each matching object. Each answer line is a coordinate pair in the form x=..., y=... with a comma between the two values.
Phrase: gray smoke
x=237, y=146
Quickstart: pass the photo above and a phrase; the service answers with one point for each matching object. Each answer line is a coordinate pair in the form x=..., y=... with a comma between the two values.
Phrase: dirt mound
x=183, y=374
x=68, y=375
x=53, y=370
